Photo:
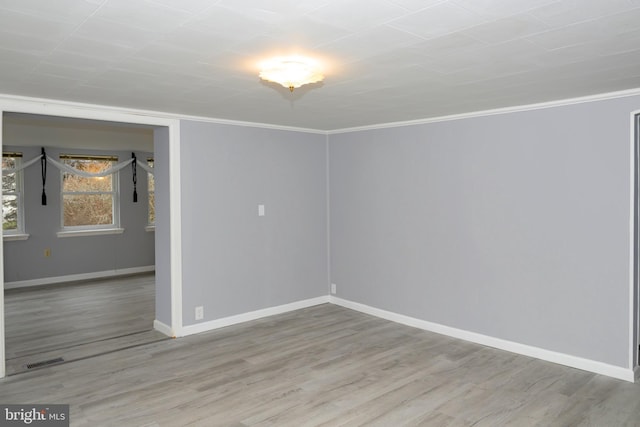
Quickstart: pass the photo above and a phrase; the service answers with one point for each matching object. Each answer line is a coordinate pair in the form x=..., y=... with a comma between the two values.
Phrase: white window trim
x=19, y=233
x=12, y=237
x=89, y=232
x=92, y=230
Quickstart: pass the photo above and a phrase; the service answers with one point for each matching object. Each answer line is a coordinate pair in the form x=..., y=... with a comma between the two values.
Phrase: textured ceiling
x=387, y=60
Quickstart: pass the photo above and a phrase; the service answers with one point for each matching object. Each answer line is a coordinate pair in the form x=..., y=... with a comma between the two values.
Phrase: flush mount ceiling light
x=291, y=71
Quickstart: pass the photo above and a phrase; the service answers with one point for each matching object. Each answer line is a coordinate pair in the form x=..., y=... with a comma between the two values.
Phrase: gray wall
x=33, y=130
x=233, y=260
x=515, y=226
x=25, y=260
x=163, y=229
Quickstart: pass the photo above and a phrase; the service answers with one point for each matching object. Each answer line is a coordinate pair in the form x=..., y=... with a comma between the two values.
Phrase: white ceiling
x=388, y=60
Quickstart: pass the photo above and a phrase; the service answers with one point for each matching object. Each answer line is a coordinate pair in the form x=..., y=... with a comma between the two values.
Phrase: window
x=89, y=202
x=151, y=188
x=12, y=196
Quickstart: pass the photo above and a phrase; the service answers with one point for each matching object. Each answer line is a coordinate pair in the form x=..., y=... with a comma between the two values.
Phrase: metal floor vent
x=44, y=363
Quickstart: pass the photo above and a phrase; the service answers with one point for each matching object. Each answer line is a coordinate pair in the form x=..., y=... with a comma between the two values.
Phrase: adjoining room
x=79, y=249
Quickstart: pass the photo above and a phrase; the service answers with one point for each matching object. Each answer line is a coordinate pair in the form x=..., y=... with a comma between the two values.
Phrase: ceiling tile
x=620, y=23
x=46, y=86
x=370, y=43
x=119, y=80
x=567, y=12
x=305, y=33
x=111, y=95
x=197, y=41
x=358, y=15
x=436, y=21
x=62, y=83
x=192, y=6
x=63, y=71
x=163, y=53
x=415, y=5
x=627, y=42
x=27, y=60
x=576, y=34
x=449, y=44
x=75, y=60
x=488, y=71
x=210, y=94
x=232, y=24
x=143, y=14
x=105, y=50
x=229, y=64
x=115, y=33
x=67, y=11
x=34, y=26
x=10, y=78
x=273, y=11
x=504, y=29
x=495, y=9
x=564, y=55
x=26, y=43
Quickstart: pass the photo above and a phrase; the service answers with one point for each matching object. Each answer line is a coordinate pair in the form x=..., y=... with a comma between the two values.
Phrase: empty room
x=327, y=212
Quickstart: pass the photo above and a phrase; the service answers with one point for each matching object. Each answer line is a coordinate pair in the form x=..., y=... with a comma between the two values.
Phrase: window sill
x=150, y=228
x=14, y=237
x=97, y=232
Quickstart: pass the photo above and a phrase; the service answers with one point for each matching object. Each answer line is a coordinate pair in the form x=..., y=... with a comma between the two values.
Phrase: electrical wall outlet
x=47, y=253
x=199, y=312
x=260, y=210
x=334, y=289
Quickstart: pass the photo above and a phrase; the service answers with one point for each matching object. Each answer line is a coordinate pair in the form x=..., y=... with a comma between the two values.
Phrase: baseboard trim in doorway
x=163, y=328
x=252, y=315
x=514, y=347
x=78, y=277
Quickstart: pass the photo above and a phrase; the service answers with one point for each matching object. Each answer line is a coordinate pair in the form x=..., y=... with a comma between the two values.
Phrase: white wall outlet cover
x=199, y=312
x=260, y=210
x=333, y=288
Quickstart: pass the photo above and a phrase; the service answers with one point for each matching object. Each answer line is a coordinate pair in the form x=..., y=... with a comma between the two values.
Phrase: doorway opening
x=87, y=314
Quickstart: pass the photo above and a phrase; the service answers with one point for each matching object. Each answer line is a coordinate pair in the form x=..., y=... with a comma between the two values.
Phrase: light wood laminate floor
x=78, y=320
x=325, y=366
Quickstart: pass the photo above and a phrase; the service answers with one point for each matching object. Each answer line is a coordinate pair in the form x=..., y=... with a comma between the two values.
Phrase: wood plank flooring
x=325, y=366
x=78, y=320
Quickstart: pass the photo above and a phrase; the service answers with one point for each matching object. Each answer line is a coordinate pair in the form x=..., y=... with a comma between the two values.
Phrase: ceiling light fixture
x=291, y=71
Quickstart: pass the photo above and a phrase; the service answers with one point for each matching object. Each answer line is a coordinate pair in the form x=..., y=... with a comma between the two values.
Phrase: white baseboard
x=252, y=315
x=76, y=277
x=526, y=350
x=163, y=328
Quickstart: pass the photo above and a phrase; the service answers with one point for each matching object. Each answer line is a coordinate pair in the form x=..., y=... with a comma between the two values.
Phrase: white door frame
x=96, y=112
x=634, y=252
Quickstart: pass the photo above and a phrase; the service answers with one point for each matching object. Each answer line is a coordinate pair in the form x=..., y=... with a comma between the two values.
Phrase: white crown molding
x=514, y=347
x=493, y=112
x=251, y=124
x=150, y=114
x=6, y=101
